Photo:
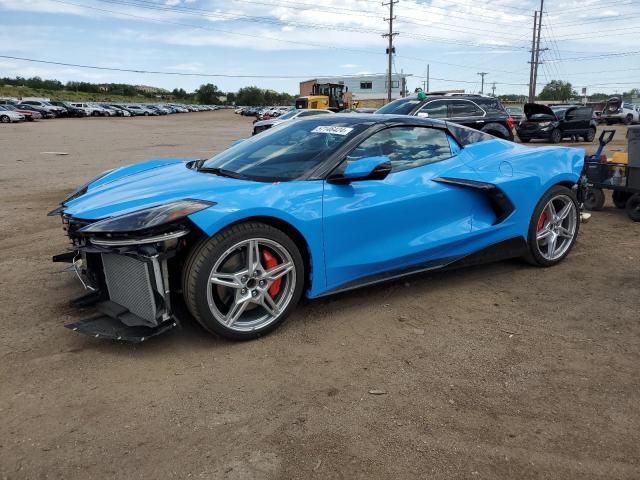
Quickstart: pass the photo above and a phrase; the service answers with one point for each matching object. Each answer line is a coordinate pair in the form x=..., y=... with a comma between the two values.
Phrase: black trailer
x=622, y=179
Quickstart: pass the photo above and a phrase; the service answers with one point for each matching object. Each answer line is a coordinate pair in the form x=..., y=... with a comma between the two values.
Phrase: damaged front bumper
x=127, y=283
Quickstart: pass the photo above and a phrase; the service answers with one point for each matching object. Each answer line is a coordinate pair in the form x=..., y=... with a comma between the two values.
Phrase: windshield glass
x=402, y=106
x=286, y=152
x=288, y=115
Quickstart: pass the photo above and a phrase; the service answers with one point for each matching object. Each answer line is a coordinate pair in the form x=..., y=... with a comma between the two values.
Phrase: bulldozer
x=326, y=96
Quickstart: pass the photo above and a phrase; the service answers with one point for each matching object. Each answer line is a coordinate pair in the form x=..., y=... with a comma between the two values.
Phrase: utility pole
x=425, y=83
x=390, y=49
x=428, y=88
x=493, y=89
x=537, y=60
x=482, y=74
x=533, y=57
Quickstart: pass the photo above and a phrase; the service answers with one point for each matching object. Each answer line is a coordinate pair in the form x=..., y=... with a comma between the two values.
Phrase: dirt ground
x=502, y=371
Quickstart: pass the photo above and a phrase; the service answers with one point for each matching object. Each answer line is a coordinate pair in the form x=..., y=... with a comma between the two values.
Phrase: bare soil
x=501, y=371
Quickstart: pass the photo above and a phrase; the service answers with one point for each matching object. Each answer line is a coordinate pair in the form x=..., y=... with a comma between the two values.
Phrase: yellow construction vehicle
x=326, y=96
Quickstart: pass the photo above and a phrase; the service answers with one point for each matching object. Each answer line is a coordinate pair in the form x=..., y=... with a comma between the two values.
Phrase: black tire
x=497, y=130
x=628, y=120
x=556, y=136
x=146, y=114
x=633, y=207
x=620, y=199
x=95, y=113
x=591, y=134
x=594, y=199
x=201, y=260
x=5, y=119
x=525, y=140
x=533, y=256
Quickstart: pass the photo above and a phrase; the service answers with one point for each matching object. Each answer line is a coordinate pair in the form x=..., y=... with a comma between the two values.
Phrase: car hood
x=537, y=109
x=152, y=183
x=612, y=105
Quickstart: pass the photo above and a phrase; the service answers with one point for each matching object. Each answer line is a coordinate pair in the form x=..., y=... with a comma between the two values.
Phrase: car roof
x=375, y=118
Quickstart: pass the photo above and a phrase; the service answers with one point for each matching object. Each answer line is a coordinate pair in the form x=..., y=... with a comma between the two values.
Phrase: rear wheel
x=591, y=134
x=628, y=120
x=620, y=199
x=556, y=136
x=633, y=207
x=4, y=119
x=244, y=281
x=594, y=199
x=553, y=228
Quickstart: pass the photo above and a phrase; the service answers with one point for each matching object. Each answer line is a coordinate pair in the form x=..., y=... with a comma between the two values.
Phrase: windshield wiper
x=222, y=172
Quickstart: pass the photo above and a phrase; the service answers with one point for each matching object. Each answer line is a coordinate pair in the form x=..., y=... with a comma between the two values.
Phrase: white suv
x=615, y=111
x=91, y=110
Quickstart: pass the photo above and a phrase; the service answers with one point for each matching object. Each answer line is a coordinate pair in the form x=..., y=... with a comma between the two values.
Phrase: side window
x=464, y=108
x=406, y=147
x=309, y=113
x=437, y=109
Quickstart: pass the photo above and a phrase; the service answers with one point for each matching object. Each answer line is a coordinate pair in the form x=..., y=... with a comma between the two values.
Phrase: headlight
x=148, y=217
x=544, y=124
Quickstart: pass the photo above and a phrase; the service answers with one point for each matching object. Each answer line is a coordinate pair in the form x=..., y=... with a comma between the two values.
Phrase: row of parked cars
x=36, y=109
x=533, y=121
x=262, y=113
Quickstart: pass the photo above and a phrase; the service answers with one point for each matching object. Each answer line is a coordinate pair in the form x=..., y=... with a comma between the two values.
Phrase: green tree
x=557, y=90
x=208, y=94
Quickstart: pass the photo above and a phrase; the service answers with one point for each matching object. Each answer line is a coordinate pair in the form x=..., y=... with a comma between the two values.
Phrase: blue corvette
x=313, y=207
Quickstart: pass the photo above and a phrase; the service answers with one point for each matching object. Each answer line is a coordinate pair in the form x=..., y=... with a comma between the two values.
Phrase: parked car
x=475, y=111
x=517, y=113
x=89, y=110
x=10, y=116
x=56, y=111
x=314, y=207
x=557, y=122
x=291, y=115
x=141, y=110
x=29, y=115
x=615, y=111
x=71, y=111
x=42, y=111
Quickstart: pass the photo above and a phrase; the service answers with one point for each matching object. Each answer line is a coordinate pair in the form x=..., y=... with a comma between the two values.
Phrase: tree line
x=208, y=93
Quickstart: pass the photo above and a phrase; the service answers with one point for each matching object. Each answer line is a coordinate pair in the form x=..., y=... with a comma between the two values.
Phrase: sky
x=591, y=43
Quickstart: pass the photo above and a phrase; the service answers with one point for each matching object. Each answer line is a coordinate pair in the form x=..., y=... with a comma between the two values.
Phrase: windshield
x=402, y=106
x=286, y=152
x=288, y=115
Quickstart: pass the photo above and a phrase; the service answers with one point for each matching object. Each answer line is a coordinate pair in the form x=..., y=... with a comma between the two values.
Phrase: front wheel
x=553, y=228
x=556, y=136
x=4, y=119
x=244, y=281
x=591, y=134
x=594, y=199
x=628, y=120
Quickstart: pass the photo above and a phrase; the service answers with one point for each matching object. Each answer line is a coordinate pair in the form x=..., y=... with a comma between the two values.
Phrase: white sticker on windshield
x=334, y=130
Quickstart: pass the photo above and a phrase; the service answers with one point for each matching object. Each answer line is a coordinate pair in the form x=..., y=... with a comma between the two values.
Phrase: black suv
x=557, y=122
x=476, y=111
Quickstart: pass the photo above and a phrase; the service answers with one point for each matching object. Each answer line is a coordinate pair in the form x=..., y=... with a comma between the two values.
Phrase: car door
x=467, y=113
x=571, y=121
x=376, y=228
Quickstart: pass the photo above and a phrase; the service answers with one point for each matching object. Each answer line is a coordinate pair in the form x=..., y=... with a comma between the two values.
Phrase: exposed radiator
x=129, y=282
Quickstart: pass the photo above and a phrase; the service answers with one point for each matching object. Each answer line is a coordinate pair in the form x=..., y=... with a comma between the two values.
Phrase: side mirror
x=370, y=168
x=423, y=114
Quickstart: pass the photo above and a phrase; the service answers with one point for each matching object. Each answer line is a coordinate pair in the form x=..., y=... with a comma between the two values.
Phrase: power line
x=163, y=72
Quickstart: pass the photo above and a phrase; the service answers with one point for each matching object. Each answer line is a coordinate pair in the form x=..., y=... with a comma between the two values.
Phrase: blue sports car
x=311, y=207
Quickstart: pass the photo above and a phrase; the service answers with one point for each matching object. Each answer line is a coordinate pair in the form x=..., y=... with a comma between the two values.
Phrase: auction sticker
x=334, y=130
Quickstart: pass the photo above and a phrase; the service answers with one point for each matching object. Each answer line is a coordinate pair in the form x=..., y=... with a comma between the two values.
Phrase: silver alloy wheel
x=239, y=294
x=556, y=227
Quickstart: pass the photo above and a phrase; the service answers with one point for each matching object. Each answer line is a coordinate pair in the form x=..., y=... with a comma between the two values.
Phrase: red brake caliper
x=270, y=262
x=543, y=218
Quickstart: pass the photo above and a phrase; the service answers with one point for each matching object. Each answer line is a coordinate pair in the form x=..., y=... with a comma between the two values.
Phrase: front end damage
x=127, y=279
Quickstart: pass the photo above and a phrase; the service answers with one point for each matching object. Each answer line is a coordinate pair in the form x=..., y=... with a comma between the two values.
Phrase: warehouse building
x=367, y=90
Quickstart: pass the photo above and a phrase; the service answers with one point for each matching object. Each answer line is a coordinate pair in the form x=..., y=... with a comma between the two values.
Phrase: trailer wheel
x=620, y=199
x=633, y=207
x=594, y=199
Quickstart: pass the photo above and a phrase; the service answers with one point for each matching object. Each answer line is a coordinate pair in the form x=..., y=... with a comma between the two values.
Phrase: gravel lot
x=499, y=371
